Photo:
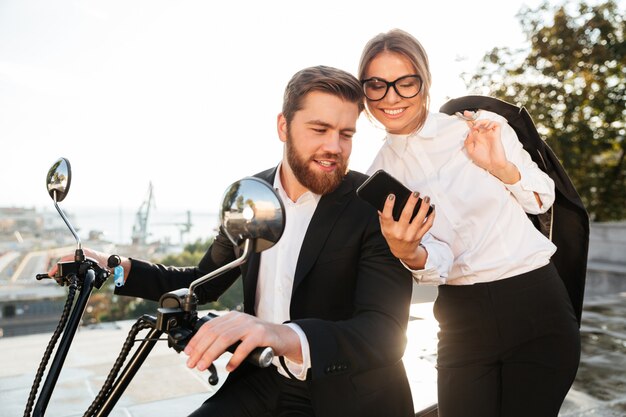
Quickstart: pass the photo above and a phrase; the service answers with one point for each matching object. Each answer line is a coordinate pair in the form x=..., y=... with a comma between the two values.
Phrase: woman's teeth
x=393, y=112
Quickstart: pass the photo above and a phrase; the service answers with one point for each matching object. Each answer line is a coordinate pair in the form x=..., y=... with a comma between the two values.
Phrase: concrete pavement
x=164, y=385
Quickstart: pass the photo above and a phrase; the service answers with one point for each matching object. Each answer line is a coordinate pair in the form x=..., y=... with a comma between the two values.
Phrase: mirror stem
x=67, y=222
x=189, y=303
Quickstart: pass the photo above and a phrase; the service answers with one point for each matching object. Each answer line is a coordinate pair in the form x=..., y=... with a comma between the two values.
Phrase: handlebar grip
x=261, y=356
x=39, y=277
x=113, y=261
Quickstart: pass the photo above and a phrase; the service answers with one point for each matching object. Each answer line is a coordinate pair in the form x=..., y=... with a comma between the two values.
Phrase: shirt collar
x=399, y=143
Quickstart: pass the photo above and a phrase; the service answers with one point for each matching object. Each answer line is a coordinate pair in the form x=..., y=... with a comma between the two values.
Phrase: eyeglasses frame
x=392, y=84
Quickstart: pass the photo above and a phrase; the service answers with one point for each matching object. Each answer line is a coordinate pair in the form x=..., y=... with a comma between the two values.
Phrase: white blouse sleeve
x=438, y=263
x=533, y=180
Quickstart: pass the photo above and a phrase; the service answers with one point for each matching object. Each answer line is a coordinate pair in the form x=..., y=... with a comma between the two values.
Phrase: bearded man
x=329, y=297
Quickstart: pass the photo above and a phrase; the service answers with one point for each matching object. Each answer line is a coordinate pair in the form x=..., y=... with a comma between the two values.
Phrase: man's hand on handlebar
x=100, y=257
x=216, y=335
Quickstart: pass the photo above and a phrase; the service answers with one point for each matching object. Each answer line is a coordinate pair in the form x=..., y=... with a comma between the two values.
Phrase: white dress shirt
x=481, y=231
x=277, y=268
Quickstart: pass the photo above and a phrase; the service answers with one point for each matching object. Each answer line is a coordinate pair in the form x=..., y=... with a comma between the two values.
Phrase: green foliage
x=572, y=80
x=104, y=306
x=191, y=255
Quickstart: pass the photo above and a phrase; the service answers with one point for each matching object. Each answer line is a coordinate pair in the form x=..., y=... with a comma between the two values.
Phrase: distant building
x=25, y=221
x=28, y=225
x=30, y=309
x=28, y=306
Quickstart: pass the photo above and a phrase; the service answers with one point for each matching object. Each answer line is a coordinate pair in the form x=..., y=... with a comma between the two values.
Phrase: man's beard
x=318, y=182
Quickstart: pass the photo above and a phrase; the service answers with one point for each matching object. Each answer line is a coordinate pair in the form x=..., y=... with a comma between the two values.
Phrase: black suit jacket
x=350, y=296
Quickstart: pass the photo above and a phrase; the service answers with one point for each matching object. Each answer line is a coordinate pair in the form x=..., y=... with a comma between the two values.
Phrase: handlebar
x=260, y=356
x=180, y=331
x=78, y=267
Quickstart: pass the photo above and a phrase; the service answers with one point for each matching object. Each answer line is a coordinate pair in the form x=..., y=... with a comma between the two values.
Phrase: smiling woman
x=477, y=245
x=400, y=108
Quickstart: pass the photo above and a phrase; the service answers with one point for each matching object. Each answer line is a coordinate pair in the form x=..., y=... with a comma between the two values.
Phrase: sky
x=185, y=94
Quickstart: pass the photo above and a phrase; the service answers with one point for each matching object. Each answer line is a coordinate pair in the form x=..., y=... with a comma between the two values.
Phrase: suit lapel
x=326, y=214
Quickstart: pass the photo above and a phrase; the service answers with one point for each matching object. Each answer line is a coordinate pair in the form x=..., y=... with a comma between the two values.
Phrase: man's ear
x=281, y=125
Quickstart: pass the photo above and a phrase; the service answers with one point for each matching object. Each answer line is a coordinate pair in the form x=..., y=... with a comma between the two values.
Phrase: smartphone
x=379, y=185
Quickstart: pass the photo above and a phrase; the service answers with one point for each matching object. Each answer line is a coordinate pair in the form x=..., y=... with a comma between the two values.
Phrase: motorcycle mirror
x=59, y=179
x=58, y=183
x=251, y=210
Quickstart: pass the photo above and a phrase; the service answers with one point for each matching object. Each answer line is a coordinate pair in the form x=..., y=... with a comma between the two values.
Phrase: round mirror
x=59, y=179
x=251, y=209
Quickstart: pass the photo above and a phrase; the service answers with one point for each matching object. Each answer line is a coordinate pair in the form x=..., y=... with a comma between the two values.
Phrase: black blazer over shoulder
x=567, y=221
x=350, y=296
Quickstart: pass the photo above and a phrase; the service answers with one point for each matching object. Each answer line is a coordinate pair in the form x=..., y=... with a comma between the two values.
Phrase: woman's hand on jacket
x=484, y=147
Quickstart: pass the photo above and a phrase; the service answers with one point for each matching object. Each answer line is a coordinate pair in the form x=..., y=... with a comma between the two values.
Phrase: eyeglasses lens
x=406, y=87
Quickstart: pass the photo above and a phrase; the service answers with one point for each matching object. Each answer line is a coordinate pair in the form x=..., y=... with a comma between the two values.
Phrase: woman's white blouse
x=481, y=231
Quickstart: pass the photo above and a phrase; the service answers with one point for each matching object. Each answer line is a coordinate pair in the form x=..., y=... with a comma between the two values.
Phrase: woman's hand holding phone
x=404, y=236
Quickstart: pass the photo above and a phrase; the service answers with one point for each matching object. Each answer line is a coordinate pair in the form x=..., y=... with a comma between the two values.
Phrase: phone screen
x=377, y=187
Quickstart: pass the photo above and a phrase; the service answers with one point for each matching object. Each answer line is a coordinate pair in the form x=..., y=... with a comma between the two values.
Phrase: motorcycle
x=251, y=215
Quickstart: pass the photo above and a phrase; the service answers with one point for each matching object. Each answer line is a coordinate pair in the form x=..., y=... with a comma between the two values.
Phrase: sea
x=174, y=227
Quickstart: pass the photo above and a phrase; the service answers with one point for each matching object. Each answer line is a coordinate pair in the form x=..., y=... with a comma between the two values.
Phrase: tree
x=232, y=299
x=572, y=79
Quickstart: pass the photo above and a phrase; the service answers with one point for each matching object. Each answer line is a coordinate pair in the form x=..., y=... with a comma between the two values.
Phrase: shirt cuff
x=524, y=192
x=427, y=276
x=299, y=370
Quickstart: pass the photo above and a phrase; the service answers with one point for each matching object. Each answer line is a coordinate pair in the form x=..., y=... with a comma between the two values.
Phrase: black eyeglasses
x=376, y=89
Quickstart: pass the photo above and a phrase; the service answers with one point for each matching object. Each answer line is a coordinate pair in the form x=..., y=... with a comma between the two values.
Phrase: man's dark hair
x=320, y=78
